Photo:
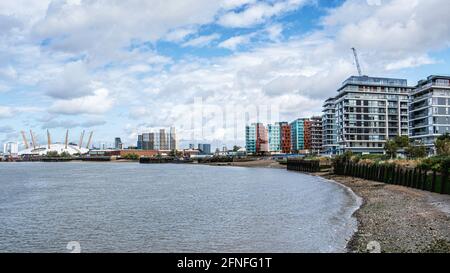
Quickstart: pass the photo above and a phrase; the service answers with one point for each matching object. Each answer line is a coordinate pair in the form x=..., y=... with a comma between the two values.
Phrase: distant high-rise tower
x=173, y=139
x=118, y=145
x=159, y=140
x=10, y=149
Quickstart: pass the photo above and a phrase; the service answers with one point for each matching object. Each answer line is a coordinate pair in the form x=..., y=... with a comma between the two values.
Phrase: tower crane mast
x=358, y=66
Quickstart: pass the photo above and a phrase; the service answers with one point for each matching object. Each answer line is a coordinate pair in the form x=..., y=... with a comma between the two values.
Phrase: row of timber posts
x=300, y=165
x=395, y=175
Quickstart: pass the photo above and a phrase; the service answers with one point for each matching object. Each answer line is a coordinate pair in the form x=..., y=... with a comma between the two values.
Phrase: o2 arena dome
x=58, y=148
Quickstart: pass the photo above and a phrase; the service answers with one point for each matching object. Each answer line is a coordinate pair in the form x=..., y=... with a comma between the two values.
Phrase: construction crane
x=358, y=66
x=25, y=141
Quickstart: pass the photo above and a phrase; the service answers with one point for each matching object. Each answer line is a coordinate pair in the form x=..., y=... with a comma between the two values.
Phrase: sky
x=206, y=67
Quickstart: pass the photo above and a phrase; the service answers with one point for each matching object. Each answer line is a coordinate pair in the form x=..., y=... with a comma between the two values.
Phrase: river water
x=121, y=207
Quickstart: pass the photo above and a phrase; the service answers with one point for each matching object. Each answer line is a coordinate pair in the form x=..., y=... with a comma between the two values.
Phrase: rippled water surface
x=120, y=207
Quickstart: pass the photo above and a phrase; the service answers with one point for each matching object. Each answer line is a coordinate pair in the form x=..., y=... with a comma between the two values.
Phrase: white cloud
x=72, y=82
x=179, y=35
x=98, y=103
x=101, y=28
x=394, y=27
x=8, y=72
x=6, y=129
x=233, y=42
x=14, y=111
x=274, y=31
x=69, y=124
x=5, y=112
x=202, y=41
x=231, y=4
x=258, y=13
x=410, y=62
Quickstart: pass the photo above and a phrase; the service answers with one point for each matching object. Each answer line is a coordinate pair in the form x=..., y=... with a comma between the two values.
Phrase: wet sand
x=400, y=219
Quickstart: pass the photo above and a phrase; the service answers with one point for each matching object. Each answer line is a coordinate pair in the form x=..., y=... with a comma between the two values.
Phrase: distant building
x=298, y=135
x=430, y=110
x=163, y=140
x=204, y=148
x=11, y=149
x=285, y=138
x=173, y=139
x=157, y=141
x=329, y=142
x=256, y=139
x=307, y=134
x=140, y=142
x=118, y=143
x=274, y=138
x=316, y=135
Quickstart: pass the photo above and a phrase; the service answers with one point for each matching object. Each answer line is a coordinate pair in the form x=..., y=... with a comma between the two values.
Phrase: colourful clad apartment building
x=281, y=137
x=256, y=139
x=285, y=138
x=299, y=140
x=274, y=137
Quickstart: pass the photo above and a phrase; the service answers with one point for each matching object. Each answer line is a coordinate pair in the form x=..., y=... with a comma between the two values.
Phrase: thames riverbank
x=264, y=163
x=400, y=219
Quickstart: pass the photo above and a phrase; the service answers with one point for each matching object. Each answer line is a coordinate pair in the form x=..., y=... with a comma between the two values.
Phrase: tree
x=416, y=151
x=236, y=148
x=443, y=145
x=65, y=155
x=402, y=141
x=52, y=154
x=391, y=148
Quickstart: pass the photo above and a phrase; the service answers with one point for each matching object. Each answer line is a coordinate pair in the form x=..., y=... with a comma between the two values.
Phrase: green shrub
x=131, y=156
x=435, y=163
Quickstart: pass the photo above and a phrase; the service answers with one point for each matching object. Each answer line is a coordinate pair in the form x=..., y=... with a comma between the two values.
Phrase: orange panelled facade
x=285, y=129
x=262, y=139
x=307, y=134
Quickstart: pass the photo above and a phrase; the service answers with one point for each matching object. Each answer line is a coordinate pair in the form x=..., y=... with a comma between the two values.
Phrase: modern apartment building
x=298, y=135
x=11, y=149
x=159, y=140
x=316, y=135
x=430, y=110
x=173, y=139
x=285, y=138
x=307, y=134
x=274, y=138
x=369, y=111
x=256, y=139
x=205, y=148
x=163, y=140
x=118, y=145
x=329, y=143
